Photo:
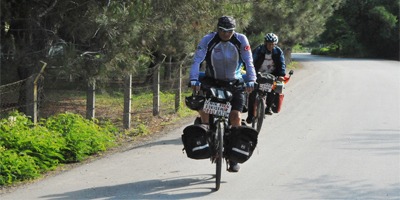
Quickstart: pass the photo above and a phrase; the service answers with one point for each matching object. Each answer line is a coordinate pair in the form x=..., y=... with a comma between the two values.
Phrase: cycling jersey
x=277, y=58
x=224, y=59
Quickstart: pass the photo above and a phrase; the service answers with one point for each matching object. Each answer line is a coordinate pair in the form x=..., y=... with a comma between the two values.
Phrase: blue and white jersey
x=224, y=59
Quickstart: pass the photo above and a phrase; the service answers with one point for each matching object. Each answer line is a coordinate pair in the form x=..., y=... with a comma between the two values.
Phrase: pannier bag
x=242, y=142
x=195, y=142
x=276, y=107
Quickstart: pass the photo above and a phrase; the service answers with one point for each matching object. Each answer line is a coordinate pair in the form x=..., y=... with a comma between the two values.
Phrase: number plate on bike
x=218, y=109
x=265, y=87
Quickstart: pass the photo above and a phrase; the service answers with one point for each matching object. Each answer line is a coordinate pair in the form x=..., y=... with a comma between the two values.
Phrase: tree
x=293, y=21
x=372, y=28
x=182, y=23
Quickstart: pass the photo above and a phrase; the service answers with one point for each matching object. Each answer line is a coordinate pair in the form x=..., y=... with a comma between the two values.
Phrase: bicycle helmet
x=227, y=23
x=270, y=37
x=195, y=102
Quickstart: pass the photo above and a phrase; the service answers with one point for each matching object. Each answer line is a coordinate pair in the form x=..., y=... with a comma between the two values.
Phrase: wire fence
x=60, y=94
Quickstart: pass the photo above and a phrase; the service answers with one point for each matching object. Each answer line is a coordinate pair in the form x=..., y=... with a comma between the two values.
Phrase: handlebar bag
x=265, y=78
x=195, y=142
x=242, y=142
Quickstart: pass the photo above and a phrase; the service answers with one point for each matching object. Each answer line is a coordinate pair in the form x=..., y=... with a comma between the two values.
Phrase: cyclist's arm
x=247, y=58
x=199, y=57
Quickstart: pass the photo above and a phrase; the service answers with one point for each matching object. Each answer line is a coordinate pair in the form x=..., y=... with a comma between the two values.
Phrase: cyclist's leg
x=237, y=108
x=250, y=112
x=270, y=100
x=234, y=118
x=204, y=117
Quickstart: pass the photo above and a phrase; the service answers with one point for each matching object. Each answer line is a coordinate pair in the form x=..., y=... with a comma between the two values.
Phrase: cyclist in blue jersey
x=224, y=52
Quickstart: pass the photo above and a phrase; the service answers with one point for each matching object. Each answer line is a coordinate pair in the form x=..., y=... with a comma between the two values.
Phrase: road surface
x=337, y=137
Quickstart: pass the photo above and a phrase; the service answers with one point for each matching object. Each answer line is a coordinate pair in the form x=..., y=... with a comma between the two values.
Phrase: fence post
x=127, y=101
x=178, y=92
x=90, y=102
x=156, y=91
x=31, y=98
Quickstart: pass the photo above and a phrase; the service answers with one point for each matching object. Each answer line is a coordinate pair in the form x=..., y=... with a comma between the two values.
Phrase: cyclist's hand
x=281, y=78
x=195, y=85
x=249, y=87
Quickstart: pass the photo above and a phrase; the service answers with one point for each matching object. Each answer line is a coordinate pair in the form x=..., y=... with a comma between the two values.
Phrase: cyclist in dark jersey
x=268, y=58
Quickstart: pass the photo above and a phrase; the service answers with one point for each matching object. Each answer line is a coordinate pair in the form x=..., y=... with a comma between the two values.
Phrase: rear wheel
x=220, y=145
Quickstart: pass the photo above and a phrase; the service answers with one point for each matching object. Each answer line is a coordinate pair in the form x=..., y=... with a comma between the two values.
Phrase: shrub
x=18, y=133
x=83, y=137
x=15, y=167
x=26, y=150
x=320, y=51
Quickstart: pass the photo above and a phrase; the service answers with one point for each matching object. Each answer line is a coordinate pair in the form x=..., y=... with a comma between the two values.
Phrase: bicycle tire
x=260, y=113
x=220, y=145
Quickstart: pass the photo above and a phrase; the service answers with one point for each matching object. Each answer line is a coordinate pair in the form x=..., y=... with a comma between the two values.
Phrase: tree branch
x=48, y=9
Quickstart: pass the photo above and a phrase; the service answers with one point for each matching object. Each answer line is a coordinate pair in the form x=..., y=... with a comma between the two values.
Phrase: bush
x=299, y=49
x=26, y=150
x=320, y=51
x=18, y=133
x=15, y=167
x=83, y=137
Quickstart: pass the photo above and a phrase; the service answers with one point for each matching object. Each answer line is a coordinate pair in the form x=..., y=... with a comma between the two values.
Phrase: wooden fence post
x=156, y=91
x=90, y=102
x=127, y=101
x=178, y=92
x=31, y=98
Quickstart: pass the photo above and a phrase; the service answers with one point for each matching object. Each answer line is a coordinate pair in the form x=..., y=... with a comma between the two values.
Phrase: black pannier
x=195, y=142
x=242, y=142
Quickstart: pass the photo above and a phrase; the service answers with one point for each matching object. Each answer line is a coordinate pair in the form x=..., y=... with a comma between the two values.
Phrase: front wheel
x=260, y=113
x=220, y=145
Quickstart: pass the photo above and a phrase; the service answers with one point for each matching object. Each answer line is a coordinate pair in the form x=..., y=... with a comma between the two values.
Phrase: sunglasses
x=225, y=31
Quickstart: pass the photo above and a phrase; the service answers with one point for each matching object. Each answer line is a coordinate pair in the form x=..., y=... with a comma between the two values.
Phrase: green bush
x=26, y=150
x=83, y=137
x=320, y=51
x=15, y=167
x=299, y=49
x=19, y=134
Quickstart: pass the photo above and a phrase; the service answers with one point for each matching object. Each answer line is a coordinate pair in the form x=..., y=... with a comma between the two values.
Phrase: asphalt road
x=336, y=137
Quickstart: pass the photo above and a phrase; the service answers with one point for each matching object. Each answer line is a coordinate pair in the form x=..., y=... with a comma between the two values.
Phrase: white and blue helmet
x=270, y=37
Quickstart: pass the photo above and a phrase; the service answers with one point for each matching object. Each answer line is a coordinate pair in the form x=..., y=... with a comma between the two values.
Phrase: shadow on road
x=380, y=141
x=329, y=187
x=177, y=141
x=174, y=188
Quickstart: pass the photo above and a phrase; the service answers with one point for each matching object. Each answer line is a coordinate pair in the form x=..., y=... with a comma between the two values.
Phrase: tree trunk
x=287, y=52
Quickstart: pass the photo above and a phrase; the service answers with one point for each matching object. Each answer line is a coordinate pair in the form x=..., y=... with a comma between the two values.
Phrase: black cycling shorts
x=238, y=100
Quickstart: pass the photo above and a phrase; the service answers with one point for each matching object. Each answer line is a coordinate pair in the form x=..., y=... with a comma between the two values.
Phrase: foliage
x=26, y=150
x=83, y=137
x=299, y=49
x=365, y=28
x=16, y=167
x=292, y=20
x=320, y=51
x=18, y=133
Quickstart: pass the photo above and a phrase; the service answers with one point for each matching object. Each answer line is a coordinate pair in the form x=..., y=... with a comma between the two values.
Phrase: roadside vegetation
x=27, y=151
x=363, y=29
